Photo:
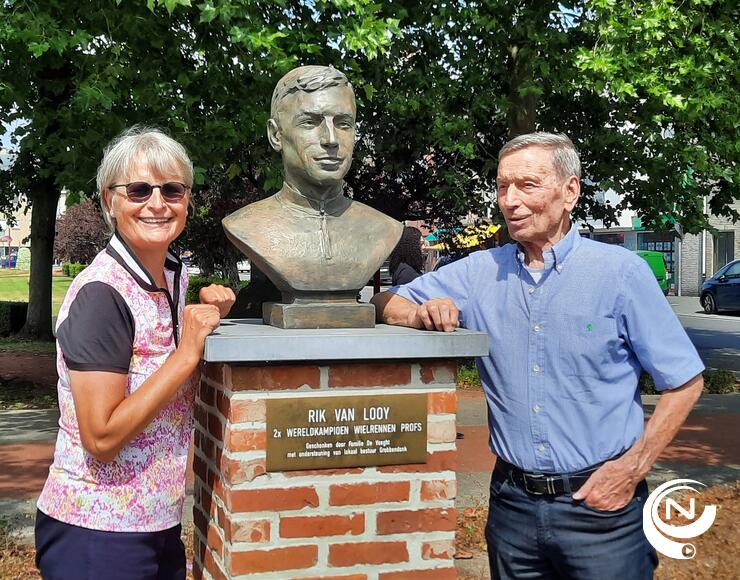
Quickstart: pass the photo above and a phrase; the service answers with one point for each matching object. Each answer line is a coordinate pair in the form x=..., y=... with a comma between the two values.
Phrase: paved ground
x=706, y=449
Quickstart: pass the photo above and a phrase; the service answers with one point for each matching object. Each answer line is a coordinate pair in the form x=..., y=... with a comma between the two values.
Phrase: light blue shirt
x=561, y=376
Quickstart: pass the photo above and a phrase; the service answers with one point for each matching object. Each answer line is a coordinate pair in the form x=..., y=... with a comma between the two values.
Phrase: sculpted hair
x=162, y=153
x=564, y=153
x=307, y=79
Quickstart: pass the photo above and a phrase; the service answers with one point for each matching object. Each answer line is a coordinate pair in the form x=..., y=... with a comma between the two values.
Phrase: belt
x=551, y=484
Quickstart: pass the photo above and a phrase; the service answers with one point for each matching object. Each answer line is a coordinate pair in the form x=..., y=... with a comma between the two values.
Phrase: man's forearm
x=670, y=413
x=393, y=309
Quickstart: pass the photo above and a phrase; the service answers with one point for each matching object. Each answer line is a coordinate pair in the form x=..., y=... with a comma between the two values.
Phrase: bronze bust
x=315, y=244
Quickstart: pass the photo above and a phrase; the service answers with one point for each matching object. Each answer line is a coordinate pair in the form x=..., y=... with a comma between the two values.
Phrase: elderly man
x=571, y=324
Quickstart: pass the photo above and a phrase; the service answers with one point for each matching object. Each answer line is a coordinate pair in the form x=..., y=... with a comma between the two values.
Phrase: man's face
x=535, y=200
x=316, y=135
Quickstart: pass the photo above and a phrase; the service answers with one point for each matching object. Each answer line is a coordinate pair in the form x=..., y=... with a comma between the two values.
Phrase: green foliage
x=467, y=376
x=72, y=269
x=24, y=259
x=12, y=317
x=716, y=382
x=197, y=282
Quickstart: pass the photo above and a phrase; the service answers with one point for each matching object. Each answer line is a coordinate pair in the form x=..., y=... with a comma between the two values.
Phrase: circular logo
x=660, y=533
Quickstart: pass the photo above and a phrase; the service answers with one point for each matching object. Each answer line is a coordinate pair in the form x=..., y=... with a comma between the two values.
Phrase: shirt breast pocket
x=586, y=345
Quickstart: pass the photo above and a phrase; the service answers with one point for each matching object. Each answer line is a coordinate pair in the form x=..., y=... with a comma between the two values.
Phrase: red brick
x=250, y=531
x=252, y=410
x=440, y=550
x=324, y=472
x=442, y=402
x=246, y=440
x=320, y=526
x=200, y=469
x=368, y=493
x=369, y=374
x=200, y=520
x=214, y=372
x=439, y=372
x=408, y=521
x=223, y=403
x=269, y=378
x=441, y=431
x=210, y=565
x=215, y=427
x=201, y=416
x=215, y=541
x=278, y=499
x=292, y=558
x=438, y=489
x=433, y=574
x=240, y=471
x=368, y=553
x=197, y=571
x=207, y=394
x=439, y=461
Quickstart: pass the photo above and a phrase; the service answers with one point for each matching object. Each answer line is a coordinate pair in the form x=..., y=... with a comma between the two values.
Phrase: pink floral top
x=114, y=318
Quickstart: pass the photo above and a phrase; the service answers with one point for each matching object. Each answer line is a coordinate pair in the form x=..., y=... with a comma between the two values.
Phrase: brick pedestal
x=386, y=522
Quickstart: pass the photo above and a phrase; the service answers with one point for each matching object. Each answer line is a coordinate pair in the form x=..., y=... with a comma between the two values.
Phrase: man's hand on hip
x=435, y=314
x=611, y=486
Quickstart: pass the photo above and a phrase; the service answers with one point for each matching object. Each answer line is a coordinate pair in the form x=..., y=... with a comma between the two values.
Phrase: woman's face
x=151, y=225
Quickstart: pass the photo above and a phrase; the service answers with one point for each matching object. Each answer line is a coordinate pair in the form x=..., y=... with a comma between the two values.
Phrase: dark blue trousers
x=67, y=552
x=556, y=537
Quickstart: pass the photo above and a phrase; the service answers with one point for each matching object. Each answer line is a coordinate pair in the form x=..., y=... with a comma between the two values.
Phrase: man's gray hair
x=564, y=153
x=162, y=153
x=307, y=79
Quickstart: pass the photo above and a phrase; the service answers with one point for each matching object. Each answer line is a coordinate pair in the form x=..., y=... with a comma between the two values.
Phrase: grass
x=27, y=346
x=14, y=287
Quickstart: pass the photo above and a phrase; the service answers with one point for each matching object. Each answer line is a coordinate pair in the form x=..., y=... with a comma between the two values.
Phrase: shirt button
x=559, y=268
x=531, y=290
x=541, y=448
x=536, y=408
x=536, y=328
x=536, y=368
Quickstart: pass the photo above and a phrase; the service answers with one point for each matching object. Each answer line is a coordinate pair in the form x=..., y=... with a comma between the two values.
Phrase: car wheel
x=707, y=302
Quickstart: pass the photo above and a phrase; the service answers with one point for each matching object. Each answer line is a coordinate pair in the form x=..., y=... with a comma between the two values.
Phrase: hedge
x=198, y=282
x=12, y=317
x=72, y=269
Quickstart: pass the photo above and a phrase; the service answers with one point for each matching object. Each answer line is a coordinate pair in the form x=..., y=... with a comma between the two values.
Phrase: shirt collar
x=556, y=256
x=289, y=195
x=119, y=250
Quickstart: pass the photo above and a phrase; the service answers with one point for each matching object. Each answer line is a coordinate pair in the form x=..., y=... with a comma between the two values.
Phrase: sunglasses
x=141, y=191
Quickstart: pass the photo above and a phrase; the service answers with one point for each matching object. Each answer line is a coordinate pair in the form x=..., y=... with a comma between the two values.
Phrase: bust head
x=312, y=125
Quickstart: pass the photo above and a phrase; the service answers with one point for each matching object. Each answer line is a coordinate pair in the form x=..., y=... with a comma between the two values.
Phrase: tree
x=75, y=74
x=80, y=233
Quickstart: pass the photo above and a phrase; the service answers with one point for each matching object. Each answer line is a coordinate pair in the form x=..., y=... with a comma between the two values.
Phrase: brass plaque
x=346, y=431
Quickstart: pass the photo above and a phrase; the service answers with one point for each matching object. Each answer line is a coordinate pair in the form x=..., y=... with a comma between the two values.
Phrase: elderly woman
x=127, y=353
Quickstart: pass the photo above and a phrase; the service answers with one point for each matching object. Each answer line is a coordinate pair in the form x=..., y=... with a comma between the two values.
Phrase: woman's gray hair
x=163, y=155
x=564, y=153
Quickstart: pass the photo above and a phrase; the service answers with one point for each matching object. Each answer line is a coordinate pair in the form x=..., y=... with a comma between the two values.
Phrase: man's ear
x=273, y=135
x=572, y=188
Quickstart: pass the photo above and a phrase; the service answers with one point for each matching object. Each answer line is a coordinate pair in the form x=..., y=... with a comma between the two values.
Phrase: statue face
x=316, y=136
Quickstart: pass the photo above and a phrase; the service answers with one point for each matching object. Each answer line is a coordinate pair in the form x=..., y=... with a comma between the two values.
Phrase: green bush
x=75, y=268
x=716, y=382
x=467, y=375
x=198, y=282
x=720, y=382
x=12, y=317
x=65, y=269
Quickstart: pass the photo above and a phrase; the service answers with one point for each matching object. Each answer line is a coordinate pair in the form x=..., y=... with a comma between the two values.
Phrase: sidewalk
x=706, y=449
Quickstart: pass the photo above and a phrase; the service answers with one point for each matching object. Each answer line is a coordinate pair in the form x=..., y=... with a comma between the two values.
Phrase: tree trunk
x=43, y=220
x=522, y=114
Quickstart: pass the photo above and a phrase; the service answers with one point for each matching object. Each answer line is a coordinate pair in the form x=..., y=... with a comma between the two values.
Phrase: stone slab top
x=249, y=340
